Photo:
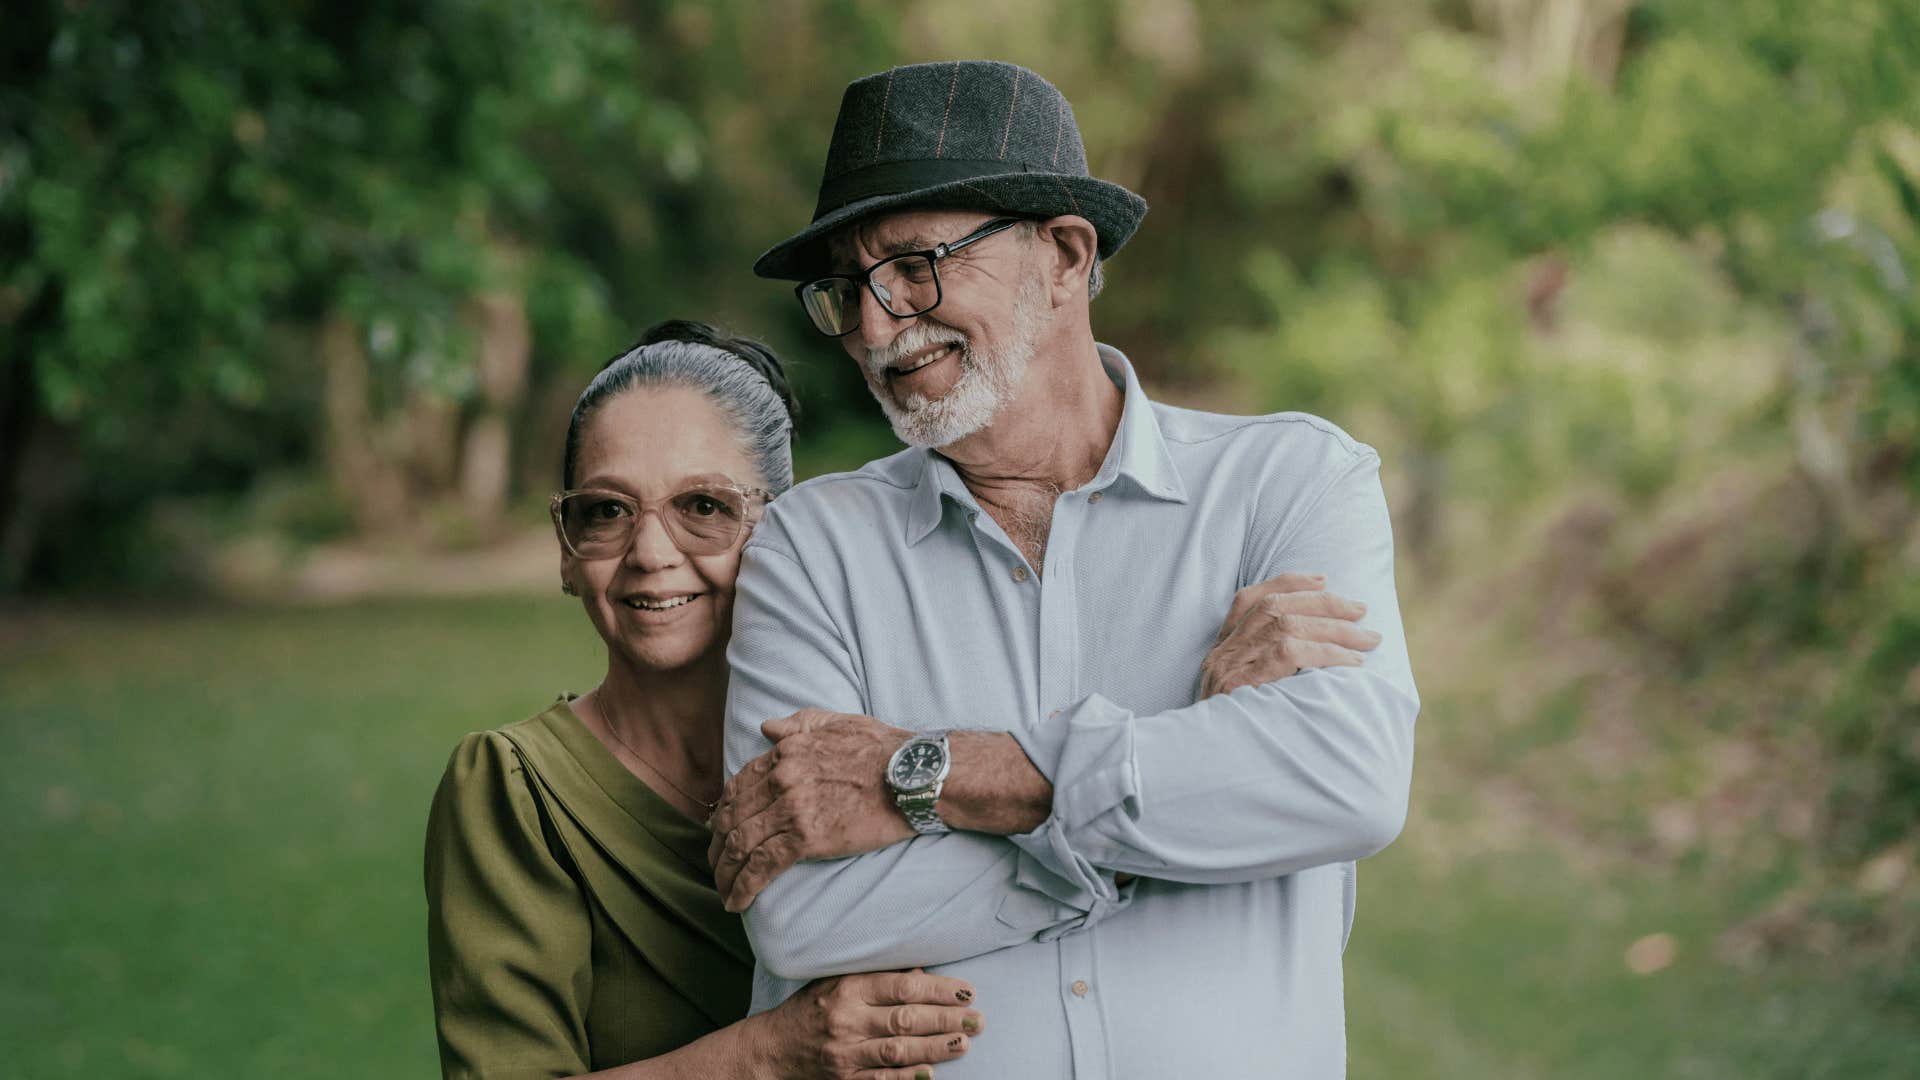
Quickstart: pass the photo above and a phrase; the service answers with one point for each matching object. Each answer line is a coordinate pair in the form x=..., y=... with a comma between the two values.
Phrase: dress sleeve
x=508, y=935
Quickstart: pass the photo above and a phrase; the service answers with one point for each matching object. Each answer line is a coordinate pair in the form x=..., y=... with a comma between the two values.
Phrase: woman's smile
x=659, y=609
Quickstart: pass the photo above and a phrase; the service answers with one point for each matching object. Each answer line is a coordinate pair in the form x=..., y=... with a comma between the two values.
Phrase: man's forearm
x=993, y=786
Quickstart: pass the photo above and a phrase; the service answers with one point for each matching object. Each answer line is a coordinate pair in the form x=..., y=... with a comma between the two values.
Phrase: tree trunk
x=1418, y=524
x=486, y=460
x=33, y=471
x=1546, y=41
x=374, y=493
x=20, y=434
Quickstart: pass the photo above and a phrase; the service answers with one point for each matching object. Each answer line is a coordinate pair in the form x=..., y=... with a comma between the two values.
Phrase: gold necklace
x=662, y=773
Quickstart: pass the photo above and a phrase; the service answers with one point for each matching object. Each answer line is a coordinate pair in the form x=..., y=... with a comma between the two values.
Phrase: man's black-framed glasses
x=906, y=285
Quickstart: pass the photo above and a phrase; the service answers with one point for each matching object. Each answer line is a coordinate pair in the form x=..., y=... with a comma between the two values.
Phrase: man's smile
x=920, y=358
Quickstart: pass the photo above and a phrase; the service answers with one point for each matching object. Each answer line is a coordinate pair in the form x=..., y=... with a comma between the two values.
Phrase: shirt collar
x=1139, y=455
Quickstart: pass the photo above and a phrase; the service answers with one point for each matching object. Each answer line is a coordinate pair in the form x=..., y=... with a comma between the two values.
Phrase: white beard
x=988, y=378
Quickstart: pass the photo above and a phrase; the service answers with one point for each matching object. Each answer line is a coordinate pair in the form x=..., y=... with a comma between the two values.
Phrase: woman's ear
x=566, y=563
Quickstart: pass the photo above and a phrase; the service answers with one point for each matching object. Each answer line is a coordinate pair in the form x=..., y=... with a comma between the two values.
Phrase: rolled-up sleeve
x=1267, y=780
x=930, y=900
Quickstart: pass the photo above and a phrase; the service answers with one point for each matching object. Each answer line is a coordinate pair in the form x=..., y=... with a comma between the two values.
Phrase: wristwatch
x=915, y=773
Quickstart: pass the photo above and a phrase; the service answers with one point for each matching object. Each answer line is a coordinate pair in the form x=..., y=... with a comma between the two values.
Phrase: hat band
x=894, y=177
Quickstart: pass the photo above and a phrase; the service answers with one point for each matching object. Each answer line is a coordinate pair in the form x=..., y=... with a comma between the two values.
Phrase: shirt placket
x=1059, y=686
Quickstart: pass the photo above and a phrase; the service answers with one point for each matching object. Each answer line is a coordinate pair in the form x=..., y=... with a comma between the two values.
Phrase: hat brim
x=1114, y=212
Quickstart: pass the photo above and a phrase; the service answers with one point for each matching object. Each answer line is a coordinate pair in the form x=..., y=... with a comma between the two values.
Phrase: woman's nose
x=653, y=547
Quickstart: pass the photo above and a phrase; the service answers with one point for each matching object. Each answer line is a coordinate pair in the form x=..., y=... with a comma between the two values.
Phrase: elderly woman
x=572, y=919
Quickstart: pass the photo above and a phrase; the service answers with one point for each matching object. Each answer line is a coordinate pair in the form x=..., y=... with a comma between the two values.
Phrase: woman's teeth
x=658, y=605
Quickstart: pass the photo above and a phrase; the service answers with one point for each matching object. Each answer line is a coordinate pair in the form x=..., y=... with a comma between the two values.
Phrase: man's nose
x=653, y=547
x=878, y=326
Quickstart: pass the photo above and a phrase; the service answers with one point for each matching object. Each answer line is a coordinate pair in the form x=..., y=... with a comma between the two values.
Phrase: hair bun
x=757, y=355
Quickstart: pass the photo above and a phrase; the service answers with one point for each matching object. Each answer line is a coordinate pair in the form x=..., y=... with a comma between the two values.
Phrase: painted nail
x=923, y=1074
x=954, y=1043
x=964, y=995
x=970, y=1025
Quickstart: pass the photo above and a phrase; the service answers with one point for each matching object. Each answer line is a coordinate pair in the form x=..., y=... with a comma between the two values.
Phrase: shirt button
x=1019, y=573
x=973, y=516
x=1094, y=498
x=1080, y=988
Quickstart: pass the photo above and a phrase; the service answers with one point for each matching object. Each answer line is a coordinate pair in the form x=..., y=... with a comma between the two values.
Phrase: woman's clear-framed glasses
x=701, y=519
x=906, y=284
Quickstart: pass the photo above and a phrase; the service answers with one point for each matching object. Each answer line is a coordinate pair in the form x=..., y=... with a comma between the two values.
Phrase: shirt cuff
x=1051, y=907
x=1087, y=753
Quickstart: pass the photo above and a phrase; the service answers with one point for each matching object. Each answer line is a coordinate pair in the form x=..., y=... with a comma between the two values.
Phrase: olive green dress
x=572, y=923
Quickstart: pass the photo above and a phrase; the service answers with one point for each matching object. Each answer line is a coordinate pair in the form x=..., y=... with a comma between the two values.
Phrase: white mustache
x=912, y=339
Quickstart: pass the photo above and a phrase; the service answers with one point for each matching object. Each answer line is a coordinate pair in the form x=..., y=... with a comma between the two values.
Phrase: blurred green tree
x=208, y=198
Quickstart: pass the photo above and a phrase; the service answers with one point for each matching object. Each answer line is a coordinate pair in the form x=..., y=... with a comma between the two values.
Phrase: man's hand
x=1281, y=626
x=820, y=793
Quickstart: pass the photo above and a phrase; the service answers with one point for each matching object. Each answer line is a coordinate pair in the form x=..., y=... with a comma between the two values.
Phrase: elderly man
x=963, y=713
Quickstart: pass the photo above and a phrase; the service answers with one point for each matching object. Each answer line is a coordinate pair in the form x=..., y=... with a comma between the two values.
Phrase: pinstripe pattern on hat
x=972, y=134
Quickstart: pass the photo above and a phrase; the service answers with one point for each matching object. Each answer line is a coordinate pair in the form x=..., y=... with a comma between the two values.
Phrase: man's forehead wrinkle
x=845, y=247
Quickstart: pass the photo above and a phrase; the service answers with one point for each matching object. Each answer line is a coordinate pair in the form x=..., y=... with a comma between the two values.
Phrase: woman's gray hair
x=742, y=378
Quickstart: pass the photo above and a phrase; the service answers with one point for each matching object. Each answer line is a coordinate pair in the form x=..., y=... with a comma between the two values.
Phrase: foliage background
x=296, y=298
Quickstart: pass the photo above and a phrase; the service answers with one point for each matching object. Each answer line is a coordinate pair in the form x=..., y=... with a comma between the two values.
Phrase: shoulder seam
x=832, y=478
x=1347, y=442
x=759, y=544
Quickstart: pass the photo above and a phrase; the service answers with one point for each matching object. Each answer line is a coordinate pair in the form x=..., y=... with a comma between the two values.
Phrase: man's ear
x=1075, y=245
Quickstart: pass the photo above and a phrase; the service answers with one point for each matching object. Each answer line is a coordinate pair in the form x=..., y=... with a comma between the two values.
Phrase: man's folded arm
x=1267, y=780
x=930, y=900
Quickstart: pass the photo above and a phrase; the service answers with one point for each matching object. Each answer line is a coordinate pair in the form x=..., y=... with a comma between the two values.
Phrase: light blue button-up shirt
x=887, y=592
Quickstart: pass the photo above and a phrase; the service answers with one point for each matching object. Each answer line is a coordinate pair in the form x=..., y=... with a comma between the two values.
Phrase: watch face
x=918, y=766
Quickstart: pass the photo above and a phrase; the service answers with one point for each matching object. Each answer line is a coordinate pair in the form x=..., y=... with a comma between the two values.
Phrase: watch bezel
x=936, y=740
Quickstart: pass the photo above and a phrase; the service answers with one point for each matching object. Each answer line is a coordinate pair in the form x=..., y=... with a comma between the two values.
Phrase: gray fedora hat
x=967, y=134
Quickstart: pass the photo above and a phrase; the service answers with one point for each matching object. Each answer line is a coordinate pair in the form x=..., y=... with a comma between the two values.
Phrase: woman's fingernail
x=964, y=995
x=954, y=1043
x=923, y=1074
x=970, y=1025
x=1362, y=605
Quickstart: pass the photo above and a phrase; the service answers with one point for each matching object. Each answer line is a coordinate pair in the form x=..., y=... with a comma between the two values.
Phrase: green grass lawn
x=213, y=869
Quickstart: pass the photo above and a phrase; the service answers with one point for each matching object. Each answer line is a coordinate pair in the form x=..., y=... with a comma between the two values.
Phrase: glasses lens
x=832, y=304
x=597, y=523
x=705, y=521
x=906, y=284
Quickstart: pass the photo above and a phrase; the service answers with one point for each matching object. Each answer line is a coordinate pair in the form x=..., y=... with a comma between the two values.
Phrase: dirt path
x=525, y=563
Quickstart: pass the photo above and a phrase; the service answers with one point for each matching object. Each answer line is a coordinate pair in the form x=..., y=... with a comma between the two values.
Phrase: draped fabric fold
x=644, y=863
x=572, y=923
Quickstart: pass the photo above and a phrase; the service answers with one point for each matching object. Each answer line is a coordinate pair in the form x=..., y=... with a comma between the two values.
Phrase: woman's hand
x=820, y=793
x=1280, y=627
x=889, y=1025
